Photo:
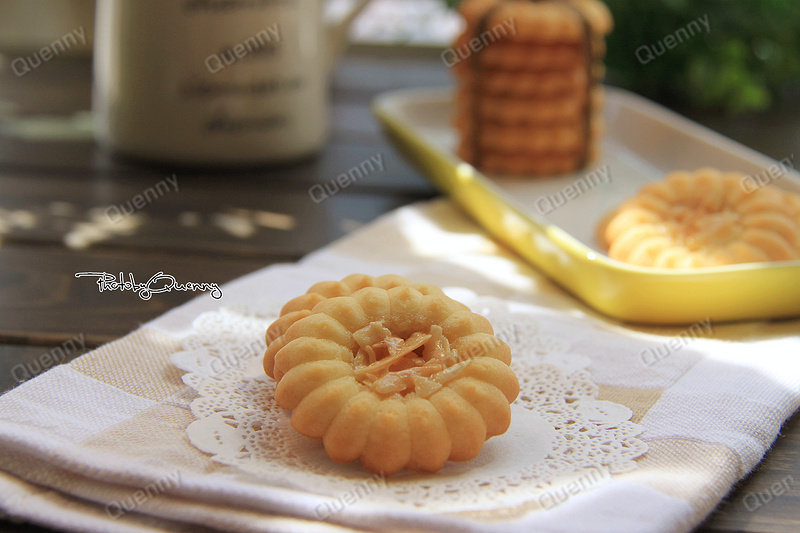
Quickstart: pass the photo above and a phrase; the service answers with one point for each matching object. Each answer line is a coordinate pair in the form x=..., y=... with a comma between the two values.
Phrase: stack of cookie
x=528, y=99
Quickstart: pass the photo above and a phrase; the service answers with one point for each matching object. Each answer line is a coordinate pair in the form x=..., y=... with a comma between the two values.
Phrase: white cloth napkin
x=100, y=445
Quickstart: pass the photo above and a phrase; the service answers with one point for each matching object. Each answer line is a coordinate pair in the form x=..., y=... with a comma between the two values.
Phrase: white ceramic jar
x=225, y=82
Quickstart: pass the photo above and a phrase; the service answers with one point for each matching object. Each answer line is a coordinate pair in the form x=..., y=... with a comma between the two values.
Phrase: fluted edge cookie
x=554, y=21
x=391, y=373
x=704, y=218
x=517, y=112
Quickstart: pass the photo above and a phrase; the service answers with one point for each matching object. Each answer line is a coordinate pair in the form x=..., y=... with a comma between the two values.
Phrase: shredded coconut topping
x=390, y=365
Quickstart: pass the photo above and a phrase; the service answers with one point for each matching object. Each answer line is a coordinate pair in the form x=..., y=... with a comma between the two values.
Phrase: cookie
x=703, y=219
x=528, y=88
x=541, y=22
x=518, y=111
x=527, y=165
x=532, y=84
x=526, y=139
x=511, y=55
x=391, y=373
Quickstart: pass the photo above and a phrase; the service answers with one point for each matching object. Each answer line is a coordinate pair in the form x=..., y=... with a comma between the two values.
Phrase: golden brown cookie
x=527, y=101
x=519, y=56
x=510, y=165
x=389, y=372
x=702, y=219
x=527, y=139
x=529, y=84
x=540, y=21
x=513, y=111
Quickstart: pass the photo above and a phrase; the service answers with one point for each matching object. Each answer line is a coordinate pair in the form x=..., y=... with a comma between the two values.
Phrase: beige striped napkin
x=99, y=444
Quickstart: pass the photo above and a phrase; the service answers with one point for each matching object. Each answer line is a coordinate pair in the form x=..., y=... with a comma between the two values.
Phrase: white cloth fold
x=107, y=432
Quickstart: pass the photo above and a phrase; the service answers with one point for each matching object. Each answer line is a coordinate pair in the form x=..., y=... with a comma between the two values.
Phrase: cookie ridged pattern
x=704, y=218
x=529, y=101
x=389, y=372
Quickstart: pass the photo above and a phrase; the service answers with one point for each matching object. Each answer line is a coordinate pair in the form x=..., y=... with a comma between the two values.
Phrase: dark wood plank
x=775, y=132
x=368, y=71
x=81, y=160
x=769, y=499
x=20, y=363
x=7, y=526
x=304, y=224
x=41, y=301
x=59, y=87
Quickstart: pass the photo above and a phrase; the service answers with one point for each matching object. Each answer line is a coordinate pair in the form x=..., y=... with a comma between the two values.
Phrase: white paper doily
x=559, y=431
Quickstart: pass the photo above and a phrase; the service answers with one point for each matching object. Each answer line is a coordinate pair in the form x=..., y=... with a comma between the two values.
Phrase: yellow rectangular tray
x=643, y=142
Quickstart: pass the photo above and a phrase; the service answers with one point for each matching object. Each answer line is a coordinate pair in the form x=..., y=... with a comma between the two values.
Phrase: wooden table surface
x=50, y=168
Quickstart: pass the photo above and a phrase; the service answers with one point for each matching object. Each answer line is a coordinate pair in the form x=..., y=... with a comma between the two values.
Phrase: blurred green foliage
x=748, y=58
x=750, y=54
